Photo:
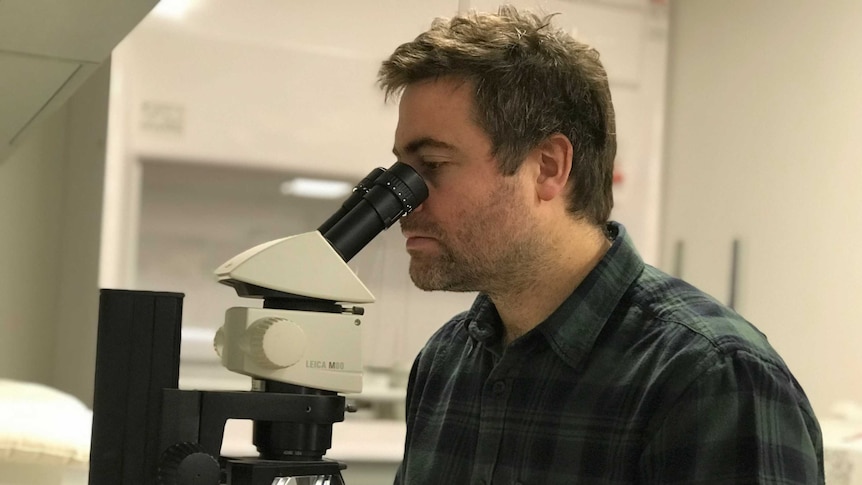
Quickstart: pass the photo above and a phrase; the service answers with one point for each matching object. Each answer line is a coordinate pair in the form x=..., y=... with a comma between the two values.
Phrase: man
x=577, y=363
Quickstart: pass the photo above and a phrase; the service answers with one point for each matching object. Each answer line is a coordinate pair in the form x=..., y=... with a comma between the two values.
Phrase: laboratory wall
x=50, y=220
x=213, y=89
x=763, y=147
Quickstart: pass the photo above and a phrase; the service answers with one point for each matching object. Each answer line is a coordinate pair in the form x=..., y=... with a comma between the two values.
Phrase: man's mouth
x=418, y=242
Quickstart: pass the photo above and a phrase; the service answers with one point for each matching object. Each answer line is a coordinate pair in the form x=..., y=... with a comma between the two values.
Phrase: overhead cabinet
x=48, y=48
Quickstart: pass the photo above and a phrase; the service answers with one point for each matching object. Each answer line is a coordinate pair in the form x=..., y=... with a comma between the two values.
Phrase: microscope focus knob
x=275, y=343
x=188, y=464
x=219, y=341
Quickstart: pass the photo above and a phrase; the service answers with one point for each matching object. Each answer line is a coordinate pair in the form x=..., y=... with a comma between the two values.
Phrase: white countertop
x=842, y=450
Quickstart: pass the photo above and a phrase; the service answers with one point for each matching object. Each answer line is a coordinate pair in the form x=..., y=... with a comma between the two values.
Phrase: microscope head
x=305, y=265
x=303, y=335
x=314, y=264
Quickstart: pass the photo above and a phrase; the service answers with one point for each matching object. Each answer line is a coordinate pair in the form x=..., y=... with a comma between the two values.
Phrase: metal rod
x=734, y=273
x=678, y=253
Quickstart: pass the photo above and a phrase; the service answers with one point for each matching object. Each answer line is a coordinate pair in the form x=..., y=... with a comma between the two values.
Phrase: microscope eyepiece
x=359, y=191
x=380, y=199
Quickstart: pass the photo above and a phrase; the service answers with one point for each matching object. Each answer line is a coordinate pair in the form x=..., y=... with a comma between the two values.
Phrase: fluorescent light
x=316, y=188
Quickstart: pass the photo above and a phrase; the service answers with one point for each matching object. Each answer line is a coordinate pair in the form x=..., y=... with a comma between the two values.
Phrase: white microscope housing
x=308, y=331
x=306, y=348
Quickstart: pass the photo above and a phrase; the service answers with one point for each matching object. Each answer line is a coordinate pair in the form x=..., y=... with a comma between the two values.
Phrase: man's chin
x=427, y=274
x=424, y=278
x=431, y=278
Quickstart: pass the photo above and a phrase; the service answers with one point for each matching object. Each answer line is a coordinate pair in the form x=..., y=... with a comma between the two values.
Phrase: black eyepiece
x=380, y=199
x=359, y=192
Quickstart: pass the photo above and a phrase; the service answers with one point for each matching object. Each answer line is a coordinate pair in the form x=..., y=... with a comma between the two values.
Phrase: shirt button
x=499, y=388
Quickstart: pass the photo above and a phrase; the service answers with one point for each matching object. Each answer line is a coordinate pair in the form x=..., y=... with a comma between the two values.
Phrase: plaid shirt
x=636, y=378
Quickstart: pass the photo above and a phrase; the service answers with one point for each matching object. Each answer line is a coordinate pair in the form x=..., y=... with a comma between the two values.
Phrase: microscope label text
x=322, y=364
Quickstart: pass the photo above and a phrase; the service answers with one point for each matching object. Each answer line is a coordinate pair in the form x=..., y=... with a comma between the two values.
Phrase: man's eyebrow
x=424, y=142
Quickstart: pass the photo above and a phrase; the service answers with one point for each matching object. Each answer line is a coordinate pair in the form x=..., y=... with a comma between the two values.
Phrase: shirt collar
x=571, y=330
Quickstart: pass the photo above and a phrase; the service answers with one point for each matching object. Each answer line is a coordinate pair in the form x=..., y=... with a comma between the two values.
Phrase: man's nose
x=410, y=218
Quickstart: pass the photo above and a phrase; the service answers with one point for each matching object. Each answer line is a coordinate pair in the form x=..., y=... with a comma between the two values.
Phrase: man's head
x=529, y=81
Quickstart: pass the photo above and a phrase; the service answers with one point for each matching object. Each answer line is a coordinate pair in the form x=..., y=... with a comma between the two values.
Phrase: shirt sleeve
x=742, y=421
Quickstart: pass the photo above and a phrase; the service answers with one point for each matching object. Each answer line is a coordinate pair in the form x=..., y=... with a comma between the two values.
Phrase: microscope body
x=311, y=349
x=303, y=335
x=301, y=348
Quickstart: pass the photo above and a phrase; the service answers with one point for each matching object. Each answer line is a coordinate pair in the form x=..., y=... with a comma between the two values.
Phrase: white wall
x=269, y=84
x=764, y=117
x=290, y=88
x=77, y=308
x=31, y=193
x=50, y=215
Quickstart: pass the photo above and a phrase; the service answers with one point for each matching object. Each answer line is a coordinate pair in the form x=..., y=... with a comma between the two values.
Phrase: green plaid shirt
x=637, y=378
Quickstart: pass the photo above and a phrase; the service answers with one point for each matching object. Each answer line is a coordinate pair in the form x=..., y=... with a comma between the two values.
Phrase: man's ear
x=554, y=159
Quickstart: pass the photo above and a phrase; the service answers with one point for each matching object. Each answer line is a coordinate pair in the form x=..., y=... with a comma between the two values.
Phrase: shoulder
x=689, y=318
x=672, y=336
x=706, y=348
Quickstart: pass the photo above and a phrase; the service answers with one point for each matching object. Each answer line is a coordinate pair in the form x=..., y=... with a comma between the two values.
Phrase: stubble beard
x=491, y=250
x=444, y=272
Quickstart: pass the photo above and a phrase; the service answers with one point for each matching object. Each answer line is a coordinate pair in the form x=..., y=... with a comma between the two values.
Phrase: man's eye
x=431, y=166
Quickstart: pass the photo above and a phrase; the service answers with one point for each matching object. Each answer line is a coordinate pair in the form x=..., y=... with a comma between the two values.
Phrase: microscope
x=301, y=348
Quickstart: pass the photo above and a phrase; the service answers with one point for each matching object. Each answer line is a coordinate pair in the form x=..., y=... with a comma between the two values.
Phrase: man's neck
x=547, y=283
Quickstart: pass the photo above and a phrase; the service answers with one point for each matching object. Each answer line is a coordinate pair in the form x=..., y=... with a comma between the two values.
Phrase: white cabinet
x=278, y=85
x=27, y=83
x=48, y=48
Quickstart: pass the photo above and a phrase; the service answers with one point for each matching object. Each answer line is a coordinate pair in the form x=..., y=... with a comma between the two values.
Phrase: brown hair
x=531, y=81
